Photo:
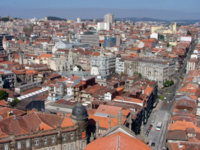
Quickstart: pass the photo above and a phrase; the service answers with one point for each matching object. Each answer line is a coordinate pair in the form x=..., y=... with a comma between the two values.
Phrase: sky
x=188, y=9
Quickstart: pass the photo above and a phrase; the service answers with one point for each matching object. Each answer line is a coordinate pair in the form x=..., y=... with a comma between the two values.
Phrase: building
x=103, y=26
x=41, y=131
x=1, y=42
x=191, y=64
x=109, y=18
x=109, y=41
x=90, y=38
x=7, y=79
x=152, y=69
x=102, y=66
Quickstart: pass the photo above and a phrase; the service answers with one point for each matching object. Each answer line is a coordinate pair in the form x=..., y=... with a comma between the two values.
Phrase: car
x=150, y=127
x=153, y=144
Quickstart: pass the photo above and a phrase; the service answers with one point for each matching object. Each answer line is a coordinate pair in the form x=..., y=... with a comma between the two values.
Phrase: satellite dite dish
x=141, y=44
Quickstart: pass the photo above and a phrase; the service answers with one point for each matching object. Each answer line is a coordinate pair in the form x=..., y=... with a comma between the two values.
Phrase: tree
x=3, y=95
x=14, y=102
x=189, y=33
x=168, y=83
x=168, y=45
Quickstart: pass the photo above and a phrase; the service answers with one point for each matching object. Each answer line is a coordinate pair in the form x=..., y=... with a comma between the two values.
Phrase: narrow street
x=156, y=139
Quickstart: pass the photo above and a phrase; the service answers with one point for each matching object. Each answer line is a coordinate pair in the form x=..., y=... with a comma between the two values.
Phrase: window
x=72, y=146
x=19, y=146
x=65, y=147
x=45, y=140
x=71, y=136
x=53, y=139
x=64, y=137
x=83, y=144
x=5, y=146
x=36, y=142
x=27, y=143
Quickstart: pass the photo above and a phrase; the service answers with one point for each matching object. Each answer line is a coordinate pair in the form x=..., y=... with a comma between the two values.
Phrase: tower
x=109, y=18
x=79, y=115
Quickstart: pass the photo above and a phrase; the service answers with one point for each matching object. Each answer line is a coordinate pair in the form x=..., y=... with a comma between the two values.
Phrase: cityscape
x=104, y=76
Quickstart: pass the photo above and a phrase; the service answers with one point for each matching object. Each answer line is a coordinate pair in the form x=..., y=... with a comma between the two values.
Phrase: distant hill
x=53, y=18
x=135, y=19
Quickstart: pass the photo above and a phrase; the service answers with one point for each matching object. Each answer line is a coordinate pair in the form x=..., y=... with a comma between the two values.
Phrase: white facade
x=186, y=39
x=103, y=26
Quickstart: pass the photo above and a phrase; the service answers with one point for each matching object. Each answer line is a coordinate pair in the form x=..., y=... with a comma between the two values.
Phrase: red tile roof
x=116, y=141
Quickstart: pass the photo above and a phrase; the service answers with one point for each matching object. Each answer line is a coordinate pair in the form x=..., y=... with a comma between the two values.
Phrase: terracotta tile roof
x=107, y=109
x=46, y=55
x=115, y=141
x=183, y=125
x=3, y=103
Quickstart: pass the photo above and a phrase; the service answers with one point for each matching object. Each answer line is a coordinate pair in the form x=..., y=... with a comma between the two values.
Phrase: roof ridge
x=118, y=142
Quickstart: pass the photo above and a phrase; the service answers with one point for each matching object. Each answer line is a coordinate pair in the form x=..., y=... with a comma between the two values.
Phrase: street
x=156, y=139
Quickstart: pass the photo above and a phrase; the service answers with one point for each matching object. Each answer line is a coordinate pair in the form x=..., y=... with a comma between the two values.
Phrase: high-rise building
x=109, y=18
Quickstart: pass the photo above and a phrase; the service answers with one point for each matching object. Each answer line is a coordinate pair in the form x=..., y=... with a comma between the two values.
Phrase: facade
x=1, y=42
x=7, y=79
x=89, y=38
x=191, y=65
x=109, y=41
x=102, y=66
x=119, y=65
x=152, y=69
x=103, y=26
x=157, y=70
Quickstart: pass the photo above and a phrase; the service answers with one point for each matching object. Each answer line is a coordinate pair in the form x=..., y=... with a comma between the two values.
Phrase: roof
x=117, y=141
x=183, y=125
x=33, y=121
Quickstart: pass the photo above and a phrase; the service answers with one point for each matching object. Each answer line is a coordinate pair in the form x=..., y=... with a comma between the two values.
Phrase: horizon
x=88, y=13
x=90, y=9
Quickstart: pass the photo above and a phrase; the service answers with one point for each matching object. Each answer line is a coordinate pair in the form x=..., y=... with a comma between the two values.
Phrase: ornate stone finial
x=119, y=117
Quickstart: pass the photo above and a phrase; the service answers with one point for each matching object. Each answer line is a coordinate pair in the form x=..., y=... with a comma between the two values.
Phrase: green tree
x=3, y=95
x=161, y=37
x=189, y=33
x=14, y=102
x=161, y=97
x=168, y=83
x=168, y=45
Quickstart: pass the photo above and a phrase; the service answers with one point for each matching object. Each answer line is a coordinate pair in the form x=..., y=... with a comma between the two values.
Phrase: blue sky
x=20, y=7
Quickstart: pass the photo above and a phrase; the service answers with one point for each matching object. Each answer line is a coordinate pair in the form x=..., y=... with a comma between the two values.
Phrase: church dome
x=79, y=112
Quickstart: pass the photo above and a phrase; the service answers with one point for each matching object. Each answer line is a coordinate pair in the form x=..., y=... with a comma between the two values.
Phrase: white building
x=103, y=26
